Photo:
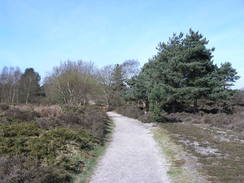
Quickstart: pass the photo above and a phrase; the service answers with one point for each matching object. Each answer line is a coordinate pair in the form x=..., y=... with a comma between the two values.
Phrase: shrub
x=92, y=119
x=26, y=138
x=19, y=115
x=49, y=142
x=20, y=129
x=22, y=169
x=64, y=135
x=130, y=111
x=48, y=111
x=137, y=113
x=48, y=123
x=233, y=121
x=4, y=107
x=238, y=98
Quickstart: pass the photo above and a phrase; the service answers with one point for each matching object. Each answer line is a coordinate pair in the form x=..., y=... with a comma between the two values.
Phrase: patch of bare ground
x=183, y=167
x=219, y=152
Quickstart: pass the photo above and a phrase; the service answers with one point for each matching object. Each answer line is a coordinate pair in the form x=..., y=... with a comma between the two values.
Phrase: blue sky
x=41, y=34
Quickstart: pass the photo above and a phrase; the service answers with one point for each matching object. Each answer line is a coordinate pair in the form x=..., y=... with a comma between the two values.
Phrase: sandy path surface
x=132, y=156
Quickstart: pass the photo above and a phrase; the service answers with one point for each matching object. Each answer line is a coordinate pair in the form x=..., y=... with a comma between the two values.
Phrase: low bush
x=234, y=121
x=238, y=98
x=50, y=141
x=91, y=119
x=137, y=113
x=20, y=129
x=29, y=139
x=4, y=107
x=22, y=169
x=20, y=115
x=48, y=111
x=130, y=111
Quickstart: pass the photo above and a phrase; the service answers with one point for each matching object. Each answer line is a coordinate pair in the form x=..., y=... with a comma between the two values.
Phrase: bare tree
x=9, y=85
x=105, y=78
x=73, y=83
x=130, y=68
x=114, y=80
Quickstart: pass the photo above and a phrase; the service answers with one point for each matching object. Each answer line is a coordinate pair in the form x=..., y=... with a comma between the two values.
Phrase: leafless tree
x=9, y=85
x=73, y=83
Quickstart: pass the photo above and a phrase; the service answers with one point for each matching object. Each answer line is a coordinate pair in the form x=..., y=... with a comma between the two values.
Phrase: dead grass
x=225, y=164
x=181, y=167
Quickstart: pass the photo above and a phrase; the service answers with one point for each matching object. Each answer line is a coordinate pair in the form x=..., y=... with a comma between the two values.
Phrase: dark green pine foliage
x=167, y=79
x=181, y=73
x=227, y=75
x=117, y=85
x=197, y=67
x=137, y=91
x=117, y=78
x=222, y=80
x=29, y=85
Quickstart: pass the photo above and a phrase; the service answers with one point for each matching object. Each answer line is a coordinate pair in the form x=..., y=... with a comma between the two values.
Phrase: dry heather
x=219, y=153
x=48, y=143
x=42, y=110
x=130, y=111
x=233, y=121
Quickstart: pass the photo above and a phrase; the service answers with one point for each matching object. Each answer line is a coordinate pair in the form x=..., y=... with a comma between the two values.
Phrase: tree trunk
x=27, y=98
x=195, y=105
x=173, y=108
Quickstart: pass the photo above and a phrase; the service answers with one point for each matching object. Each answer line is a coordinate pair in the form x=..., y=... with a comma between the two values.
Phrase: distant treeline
x=72, y=83
x=180, y=74
x=18, y=87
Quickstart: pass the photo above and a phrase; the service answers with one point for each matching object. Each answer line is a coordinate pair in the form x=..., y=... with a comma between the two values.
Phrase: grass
x=226, y=165
x=178, y=170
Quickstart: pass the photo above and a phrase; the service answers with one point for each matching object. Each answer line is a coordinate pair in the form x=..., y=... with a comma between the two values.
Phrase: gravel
x=132, y=156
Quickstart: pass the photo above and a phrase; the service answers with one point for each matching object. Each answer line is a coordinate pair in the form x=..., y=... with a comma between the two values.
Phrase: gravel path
x=132, y=156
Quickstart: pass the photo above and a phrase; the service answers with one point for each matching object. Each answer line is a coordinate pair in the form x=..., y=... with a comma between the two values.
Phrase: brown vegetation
x=135, y=112
x=218, y=152
x=130, y=111
x=42, y=143
x=233, y=121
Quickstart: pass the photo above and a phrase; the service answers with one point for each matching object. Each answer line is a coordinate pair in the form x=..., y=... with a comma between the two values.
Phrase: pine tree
x=29, y=85
x=227, y=74
x=117, y=86
x=181, y=72
x=197, y=66
x=118, y=79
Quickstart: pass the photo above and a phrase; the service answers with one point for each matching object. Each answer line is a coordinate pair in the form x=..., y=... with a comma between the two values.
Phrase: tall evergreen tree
x=117, y=85
x=181, y=72
x=197, y=66
x=118, y=79
x=29, y=85
x=227, y=74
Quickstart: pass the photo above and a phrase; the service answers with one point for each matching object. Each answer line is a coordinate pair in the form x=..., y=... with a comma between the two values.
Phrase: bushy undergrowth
x=210, y=115
x=23, y=169
x=40, y=146
x=135, y=112
x=130, y=111
x=233, y=121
